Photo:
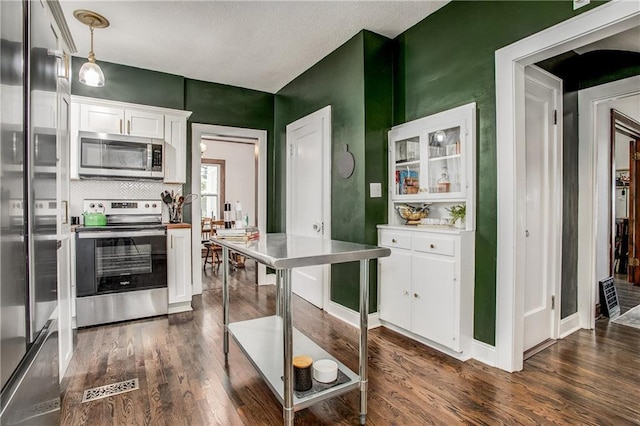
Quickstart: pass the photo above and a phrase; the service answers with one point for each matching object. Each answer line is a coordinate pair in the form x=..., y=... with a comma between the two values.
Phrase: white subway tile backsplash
x=116, y=190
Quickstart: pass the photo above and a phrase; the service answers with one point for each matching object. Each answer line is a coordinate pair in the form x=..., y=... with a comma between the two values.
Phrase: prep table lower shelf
x=261, y=341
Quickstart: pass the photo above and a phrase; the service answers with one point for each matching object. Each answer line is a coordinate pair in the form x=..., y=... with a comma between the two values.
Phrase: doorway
x=625, y=212
x=257, y=208
x=599, y=23
x=308, y=208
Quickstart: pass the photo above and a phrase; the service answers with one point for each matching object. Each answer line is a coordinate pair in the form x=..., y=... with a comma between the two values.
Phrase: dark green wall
x=220, y=104
x=447, y=60
x=355, y=80
x=129, y=84
x=569, y=285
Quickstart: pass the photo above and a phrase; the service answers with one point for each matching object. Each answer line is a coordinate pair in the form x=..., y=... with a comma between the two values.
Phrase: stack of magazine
x=250, y=233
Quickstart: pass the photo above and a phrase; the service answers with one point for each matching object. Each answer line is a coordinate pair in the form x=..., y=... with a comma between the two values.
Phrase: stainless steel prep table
x=269, y=342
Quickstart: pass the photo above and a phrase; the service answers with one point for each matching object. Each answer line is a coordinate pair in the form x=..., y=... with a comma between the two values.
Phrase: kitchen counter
x=178, y=226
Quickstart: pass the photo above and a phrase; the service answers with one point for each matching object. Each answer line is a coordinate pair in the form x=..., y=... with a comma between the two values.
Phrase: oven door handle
x=119, y=234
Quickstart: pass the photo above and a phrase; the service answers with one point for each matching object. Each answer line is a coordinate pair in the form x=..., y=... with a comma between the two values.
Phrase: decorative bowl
x=411, y=214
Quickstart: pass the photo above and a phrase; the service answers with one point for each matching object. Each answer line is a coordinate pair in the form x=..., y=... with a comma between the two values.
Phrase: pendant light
x=90, y=73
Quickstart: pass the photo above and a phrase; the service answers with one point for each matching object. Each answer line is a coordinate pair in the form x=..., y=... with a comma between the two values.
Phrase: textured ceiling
x=260, y=45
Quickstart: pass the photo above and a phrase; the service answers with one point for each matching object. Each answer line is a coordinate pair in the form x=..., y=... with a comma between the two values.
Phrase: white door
x=308, y=195
x=542, y=93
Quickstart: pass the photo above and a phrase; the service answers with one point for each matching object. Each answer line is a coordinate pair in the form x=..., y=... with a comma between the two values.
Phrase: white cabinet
x=426, y=288
x=179, y=269
x=121, y=121
x=432, y=160
x=394, y=294
x=66, y=301
x=175, y=152
x=121, y=118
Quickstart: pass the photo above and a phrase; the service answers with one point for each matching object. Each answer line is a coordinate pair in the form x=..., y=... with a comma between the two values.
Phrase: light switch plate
x=577, y=4
x=375, y=190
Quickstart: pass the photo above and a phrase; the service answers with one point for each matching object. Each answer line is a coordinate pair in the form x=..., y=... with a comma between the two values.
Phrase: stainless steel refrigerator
x=28, y=258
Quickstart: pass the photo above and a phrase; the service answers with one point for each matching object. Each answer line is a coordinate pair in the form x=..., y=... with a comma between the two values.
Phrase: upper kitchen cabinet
x=175, y=148
x=121, y=121
x=120, y=118
x=432, y=161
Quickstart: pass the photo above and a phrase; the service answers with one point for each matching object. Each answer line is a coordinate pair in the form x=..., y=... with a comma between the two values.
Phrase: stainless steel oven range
x=121, y=268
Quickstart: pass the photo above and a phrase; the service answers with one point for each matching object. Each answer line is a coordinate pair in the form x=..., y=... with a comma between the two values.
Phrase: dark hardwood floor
x=628, y=294
x=590, y=377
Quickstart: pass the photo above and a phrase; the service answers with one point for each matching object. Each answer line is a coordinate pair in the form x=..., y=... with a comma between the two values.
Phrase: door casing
x=601, y=22
x=260, y=136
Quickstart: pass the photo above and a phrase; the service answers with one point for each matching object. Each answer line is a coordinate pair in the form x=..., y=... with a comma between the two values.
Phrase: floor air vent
x=109, y=390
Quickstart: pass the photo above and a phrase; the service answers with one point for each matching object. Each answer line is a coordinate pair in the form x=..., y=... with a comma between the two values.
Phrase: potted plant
x=458, y=213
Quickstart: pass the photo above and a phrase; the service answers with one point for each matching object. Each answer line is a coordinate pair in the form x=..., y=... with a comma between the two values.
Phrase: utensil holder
x=175, y=215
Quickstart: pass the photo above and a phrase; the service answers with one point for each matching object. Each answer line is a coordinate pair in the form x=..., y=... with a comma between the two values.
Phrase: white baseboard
x=569, y=325
x=462, y=356
x=175, y=308
x=484, y=353
x=350, y=316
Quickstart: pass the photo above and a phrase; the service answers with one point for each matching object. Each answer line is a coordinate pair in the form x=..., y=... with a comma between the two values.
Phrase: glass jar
x=443, y=184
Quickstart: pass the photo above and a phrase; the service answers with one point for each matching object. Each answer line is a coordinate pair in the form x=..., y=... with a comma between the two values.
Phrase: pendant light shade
x=90, y=73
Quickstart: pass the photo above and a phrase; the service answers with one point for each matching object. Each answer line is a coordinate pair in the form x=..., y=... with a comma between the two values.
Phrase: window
x=212, y=188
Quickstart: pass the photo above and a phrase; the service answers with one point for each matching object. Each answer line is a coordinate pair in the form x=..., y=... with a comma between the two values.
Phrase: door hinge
x=636, y=156
x=633, y=261
x=555, y=116
x=291, y=150
x=553, y=302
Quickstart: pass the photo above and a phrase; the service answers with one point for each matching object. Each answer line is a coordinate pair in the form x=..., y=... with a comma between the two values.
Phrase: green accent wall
x=355, y=80
x=129, y=84
x=224, y=105
x=447, y=60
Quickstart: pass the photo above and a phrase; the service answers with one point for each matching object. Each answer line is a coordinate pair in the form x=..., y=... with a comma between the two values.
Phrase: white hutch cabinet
x=426, y=285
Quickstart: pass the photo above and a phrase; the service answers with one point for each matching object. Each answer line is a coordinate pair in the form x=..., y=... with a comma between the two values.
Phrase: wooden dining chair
x=206, y=232
x=213, y=249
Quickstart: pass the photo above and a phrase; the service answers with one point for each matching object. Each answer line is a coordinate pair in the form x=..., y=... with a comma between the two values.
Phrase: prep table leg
x=225, y=299
x=279, y=273
x=287, y=334
x=364, y=326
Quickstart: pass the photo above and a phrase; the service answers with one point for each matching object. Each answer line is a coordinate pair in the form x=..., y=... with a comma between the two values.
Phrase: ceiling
x=627, y=40
x=260, y=45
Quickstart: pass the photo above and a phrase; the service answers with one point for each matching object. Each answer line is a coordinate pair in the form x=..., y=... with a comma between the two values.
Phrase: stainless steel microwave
x=119, y=157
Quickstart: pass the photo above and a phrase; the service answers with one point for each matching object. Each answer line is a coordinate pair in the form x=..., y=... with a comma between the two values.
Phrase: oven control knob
x=154, y=205
x=92, y=205
x=146, y=206
x=100, y=206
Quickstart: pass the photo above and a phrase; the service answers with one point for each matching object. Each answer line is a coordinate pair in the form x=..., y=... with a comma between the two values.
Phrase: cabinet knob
x=393, y=240
x=432, y=246
x=416, y=295
x=406, y=293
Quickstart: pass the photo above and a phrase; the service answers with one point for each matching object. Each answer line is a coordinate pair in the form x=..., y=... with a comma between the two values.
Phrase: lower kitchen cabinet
x=426, y=286
x=179, y=269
